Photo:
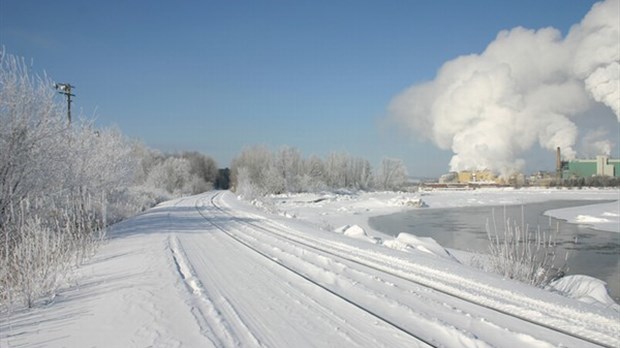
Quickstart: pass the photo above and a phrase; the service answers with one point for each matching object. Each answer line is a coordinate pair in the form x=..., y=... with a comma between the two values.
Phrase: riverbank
x=349, y=213
x=331, y=211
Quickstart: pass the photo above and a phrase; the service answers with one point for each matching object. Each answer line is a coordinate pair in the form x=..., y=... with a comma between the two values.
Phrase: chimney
x=558, y=164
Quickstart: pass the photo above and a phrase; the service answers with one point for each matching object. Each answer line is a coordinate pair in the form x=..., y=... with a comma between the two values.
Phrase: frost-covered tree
x=345, y=171
x=171, y=175
x=58, y=183
x=146, y=158
x=313, y=178
x=288, y=166
x=202, y=167
x=360, y=173
x=99, y=160
x=392, y=174
x=31, y=128
x=287, y=171
x=246, y=187
x=256, y=160
x=336, y=167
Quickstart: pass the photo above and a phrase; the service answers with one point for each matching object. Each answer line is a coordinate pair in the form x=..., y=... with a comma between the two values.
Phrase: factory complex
x=579, y=171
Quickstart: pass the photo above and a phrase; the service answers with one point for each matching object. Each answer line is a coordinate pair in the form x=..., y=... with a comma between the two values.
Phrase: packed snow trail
x=212, y=271
x=501, y=301
x=255, y=302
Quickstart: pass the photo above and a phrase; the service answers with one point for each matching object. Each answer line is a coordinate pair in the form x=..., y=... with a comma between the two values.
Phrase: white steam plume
x=596, y=47
x=595, y=142
x=490, y=108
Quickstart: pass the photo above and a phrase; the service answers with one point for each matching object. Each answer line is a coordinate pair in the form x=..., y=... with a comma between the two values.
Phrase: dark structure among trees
x=222, y=181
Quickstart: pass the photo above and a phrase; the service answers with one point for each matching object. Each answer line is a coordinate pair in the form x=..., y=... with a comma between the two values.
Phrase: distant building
x=477, y=176
x=469, y=177
x=583, y=168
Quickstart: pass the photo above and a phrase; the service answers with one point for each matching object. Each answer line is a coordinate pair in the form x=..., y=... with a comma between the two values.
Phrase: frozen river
x=595, y=253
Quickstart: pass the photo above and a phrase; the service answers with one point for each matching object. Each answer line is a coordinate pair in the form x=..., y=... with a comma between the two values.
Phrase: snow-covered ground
x=604, y=217
x=213, y=271
x=332, y=210
x=348, y=213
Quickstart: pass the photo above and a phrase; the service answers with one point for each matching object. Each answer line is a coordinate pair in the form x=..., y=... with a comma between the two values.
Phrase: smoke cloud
x=595, y=142
x=523, y=90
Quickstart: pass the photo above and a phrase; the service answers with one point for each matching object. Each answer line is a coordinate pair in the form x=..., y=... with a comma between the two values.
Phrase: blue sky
x=215, y=76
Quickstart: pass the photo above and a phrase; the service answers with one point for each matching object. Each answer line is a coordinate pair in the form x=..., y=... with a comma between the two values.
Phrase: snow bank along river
x=595, y=253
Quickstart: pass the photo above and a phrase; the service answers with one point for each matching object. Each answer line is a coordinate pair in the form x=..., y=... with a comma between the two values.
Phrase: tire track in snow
x=489, y=298
x=299, y=297
x=285, y=303
x=534, y=311
x=213, y=324
x=389, y=322
x=319, y=268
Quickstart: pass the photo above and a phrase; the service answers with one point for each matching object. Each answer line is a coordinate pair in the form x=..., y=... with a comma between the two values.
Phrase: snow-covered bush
x=37, y=263
x=44, y=237
x=521, y=254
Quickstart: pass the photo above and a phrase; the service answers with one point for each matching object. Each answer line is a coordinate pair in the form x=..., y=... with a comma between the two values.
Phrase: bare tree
x=392, y=174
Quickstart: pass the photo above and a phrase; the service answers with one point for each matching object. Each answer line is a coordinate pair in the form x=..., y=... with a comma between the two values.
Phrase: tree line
x=257, y=171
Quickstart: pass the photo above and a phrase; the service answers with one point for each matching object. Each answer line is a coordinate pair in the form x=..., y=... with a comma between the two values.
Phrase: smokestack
x=558, y=164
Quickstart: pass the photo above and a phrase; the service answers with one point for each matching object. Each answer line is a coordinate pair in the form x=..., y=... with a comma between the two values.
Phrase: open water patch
x=590, y=252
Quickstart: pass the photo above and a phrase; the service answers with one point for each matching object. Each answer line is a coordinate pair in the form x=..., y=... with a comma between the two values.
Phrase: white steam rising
x=490, y=108
x=595, y=142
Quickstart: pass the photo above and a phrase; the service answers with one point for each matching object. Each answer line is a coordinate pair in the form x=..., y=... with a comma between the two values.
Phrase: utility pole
x=65, y=88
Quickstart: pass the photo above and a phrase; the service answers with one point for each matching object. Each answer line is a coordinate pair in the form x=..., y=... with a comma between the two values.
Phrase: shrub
x=522, y=254
x=42, y=245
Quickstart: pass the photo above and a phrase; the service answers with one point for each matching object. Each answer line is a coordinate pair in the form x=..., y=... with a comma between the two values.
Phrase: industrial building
x=601, y=166
x=470, y=177
x=584, y=168
x=481, y=178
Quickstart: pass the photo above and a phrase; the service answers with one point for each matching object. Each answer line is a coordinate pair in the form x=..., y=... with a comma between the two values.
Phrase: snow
x=406, y=241
x=604, y=217
x=356, y=232
x=354, y=208
x=584, y=288
x=213, y=271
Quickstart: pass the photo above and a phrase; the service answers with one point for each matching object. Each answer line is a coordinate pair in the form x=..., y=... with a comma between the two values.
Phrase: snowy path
x=250, y=299
x=209, y=270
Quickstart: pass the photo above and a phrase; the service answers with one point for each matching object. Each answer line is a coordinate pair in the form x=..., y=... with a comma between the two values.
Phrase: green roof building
x=581, y=168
